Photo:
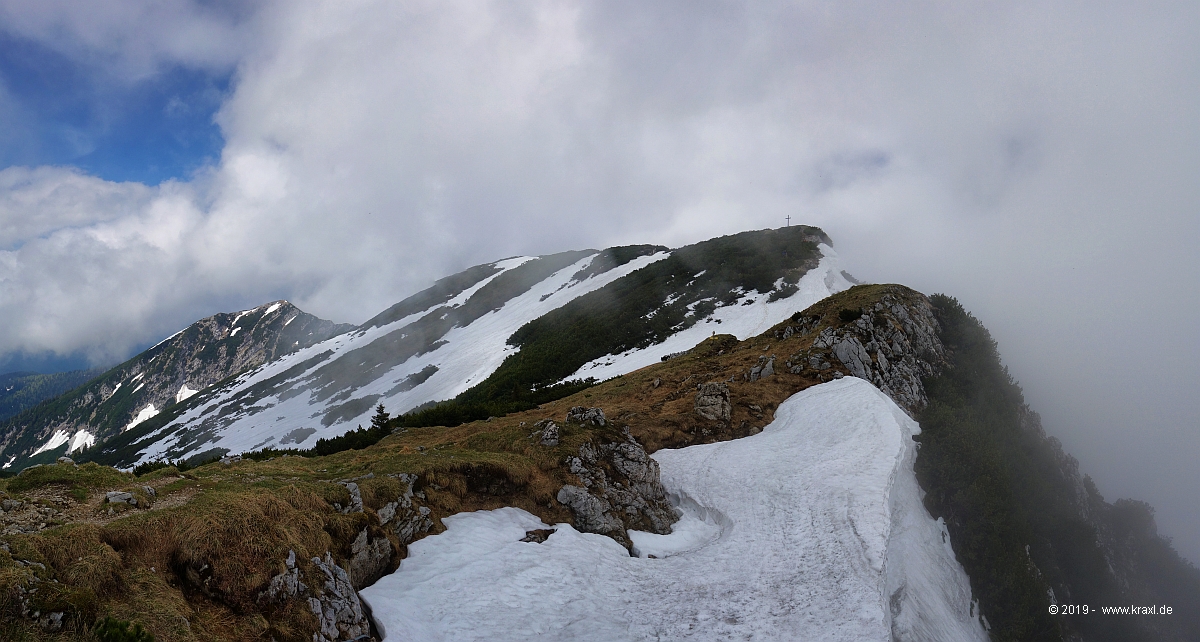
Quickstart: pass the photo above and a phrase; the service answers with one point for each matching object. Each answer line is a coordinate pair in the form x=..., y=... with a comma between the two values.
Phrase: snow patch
x=749, y=316
x=10, y=462
x=59, y=438
x=139, y=387
x=184, y=393
x=274, y=306
x=82, y=439
x=146, y=413
x=235, y=331
x=140, y=375
x=810, y=530
x=285, y=323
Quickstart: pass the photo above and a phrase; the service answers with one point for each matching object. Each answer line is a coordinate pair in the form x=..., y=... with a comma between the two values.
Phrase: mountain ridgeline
x=205, y=353
x=498, y=338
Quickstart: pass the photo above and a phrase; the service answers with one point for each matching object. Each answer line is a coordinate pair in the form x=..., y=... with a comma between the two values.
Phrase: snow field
x=806, y=531
x=470, y=354
x=741, y=320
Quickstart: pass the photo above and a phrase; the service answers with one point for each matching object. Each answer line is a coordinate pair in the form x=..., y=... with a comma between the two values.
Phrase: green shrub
x=112, y=630
x=847, y=315
x=149, y=467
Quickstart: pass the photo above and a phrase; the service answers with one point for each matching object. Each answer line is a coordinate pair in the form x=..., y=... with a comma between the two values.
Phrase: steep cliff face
x=1028, y=526
x=179, y=367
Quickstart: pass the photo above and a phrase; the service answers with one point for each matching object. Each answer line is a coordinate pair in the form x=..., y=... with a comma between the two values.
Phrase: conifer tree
x=380, y=420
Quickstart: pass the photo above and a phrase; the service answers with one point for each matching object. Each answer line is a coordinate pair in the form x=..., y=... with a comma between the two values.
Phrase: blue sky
x=67, y=112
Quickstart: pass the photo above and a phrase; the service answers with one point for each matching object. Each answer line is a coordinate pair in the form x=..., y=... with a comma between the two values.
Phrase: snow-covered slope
x=333, y=386
x=810, y=530
x=753, y=314
x=444, y=341
x=198, y=356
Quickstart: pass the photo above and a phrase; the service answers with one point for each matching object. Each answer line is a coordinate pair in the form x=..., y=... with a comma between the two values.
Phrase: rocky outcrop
x=712, y=402
x=763, y=369
x=546, y=433
x=892, y=343
x=370, y=559
x=403, y=516
x=337, y=607
x=619, y=489
x=586, y=416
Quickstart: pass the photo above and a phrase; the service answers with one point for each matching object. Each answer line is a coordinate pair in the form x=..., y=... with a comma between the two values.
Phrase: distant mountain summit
x=200, y=355
x=503, y=330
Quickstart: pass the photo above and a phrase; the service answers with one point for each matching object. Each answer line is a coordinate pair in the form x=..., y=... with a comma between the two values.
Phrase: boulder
x=712, y=402
x=581, y=415
x=120, y=496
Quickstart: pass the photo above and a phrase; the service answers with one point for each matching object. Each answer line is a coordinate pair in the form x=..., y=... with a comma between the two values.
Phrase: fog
x=1037, y=162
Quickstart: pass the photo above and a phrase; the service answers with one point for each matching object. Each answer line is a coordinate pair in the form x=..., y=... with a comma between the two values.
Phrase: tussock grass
x=87, y=476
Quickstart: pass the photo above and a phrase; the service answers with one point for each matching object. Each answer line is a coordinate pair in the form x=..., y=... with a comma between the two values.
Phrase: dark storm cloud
x=1037, y=161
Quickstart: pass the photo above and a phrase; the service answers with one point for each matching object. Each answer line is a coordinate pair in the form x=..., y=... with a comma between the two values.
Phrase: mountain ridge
x=201, y=354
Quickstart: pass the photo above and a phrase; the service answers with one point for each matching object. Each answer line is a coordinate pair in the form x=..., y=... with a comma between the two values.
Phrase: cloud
x=133, y=39
x=1036, y=161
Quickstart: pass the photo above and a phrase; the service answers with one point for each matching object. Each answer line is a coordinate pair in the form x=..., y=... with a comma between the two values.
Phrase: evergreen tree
x=380, y=420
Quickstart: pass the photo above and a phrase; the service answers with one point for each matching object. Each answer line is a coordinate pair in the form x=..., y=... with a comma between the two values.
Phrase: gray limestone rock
x=549, y=432
x=119, y=496
x=338, y=607
x=620, y=489
x=286, y=585
x=592, y=514
x=764, y=368
x=581, y=415
x=356, y=504
x=854, y=356
x=66, y=460
x=712, y=402
x=369, y=559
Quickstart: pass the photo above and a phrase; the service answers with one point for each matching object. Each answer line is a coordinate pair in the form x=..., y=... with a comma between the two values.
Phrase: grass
x=88, y=476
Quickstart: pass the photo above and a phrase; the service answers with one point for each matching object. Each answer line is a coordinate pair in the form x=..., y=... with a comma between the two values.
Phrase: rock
x=549, y=432
x=406, y=520
x=286, y=585
x=592, y=514
x=11, y=504
x=51, y=622
x=764, y=368
x=231, y=459
x=356, y=504
x=656, y=383
x=338, y=608
x=538, y=536
x=619, y=490
x=150, y=491
x=370, y=559
x=581, y=415
x=70, y=462
x=854, y=356
x=118, y=496
x=712, y=402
